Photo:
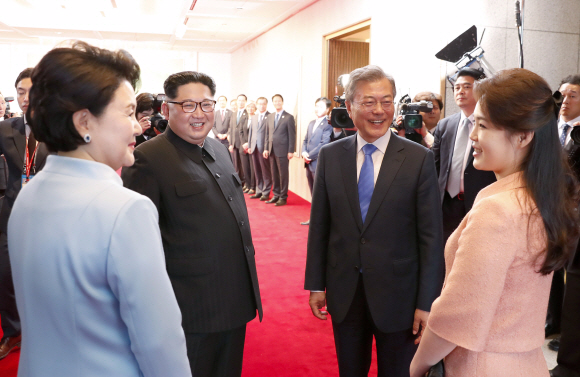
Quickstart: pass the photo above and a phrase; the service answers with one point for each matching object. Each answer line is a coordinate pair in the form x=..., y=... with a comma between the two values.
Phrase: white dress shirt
x=561, y=124
x=381, y=143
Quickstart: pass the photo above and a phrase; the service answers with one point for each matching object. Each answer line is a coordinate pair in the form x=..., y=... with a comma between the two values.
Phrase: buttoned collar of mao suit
x=193, y=151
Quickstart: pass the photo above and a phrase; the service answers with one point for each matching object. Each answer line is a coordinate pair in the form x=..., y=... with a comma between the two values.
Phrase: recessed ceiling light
x=240, y=8
x=59, y=32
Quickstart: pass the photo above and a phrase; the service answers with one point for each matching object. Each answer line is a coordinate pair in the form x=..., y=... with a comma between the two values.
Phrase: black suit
x=221, y=125
x=236, y=134
x=205, y=231
x=13, y=147
x=473, y=180
x=399, y=248
x=280, y=140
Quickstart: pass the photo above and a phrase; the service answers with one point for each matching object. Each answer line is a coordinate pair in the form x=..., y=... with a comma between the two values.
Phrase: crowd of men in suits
x=371, y=192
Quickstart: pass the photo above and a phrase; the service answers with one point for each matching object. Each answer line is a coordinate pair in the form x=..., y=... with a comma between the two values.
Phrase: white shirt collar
x=561, y=122
x=381, y=143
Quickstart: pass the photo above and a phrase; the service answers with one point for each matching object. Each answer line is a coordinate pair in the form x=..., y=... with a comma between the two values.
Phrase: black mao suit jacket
x=473, y=180
x=13, y=147
x=400, y=245
x=204, y=228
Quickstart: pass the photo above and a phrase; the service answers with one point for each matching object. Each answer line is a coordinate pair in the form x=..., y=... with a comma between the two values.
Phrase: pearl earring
x=87, y=138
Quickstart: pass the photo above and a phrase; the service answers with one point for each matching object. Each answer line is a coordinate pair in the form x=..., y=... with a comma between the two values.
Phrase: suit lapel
x=392, y=161
x=348, y=169
x=19, y=135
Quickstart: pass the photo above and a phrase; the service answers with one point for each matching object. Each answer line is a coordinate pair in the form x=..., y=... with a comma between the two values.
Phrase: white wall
x=404, y=39
x=156, y=62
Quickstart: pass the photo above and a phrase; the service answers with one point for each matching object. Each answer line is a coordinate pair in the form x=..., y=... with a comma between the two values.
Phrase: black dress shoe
x=307, y=222
x=273, y=200
x=554, y=344
x=256, y=196
x=551, y=330
x=245, y=190
x=264, y=198
x=8, y=344
x=281, y=202
x=251, y=192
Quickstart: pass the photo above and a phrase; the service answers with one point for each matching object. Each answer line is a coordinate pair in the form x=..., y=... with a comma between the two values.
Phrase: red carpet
x=290, y=341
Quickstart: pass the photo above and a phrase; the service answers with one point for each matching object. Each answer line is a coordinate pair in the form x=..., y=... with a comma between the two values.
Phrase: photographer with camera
x=2, y=107
x=409, y=123
x=148, y=113
x=459, y=181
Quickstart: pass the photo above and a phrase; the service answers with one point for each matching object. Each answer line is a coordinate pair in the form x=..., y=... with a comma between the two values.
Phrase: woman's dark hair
x=519, y=100
x=70, y=79
x=144, y=102
x=174, y=81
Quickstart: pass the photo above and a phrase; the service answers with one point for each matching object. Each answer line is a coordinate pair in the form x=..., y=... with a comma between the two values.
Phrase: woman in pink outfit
x=489, y=319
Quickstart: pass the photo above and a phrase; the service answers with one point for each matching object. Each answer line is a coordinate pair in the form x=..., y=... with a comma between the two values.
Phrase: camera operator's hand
x=145, y=123
x=399, y=121
x=231, y=148
x=266, y=154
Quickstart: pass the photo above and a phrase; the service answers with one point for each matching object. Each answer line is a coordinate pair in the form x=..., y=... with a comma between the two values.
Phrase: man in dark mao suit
x=257, y=134
x=375, y=242
x=15, y=136
x=204, y=226
x=238, y=121
x=459, y=182
x=221, y=125
x=279, y=148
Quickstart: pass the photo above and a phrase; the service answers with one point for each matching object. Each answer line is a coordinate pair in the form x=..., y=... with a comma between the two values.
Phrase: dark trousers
x=310, y=178
x=569, y=353
x=266, y=174
x=453, y=214
x=218, y=354
x=258, y=175
x=245, y=159
x=353, y=338
x=554, y=317
x=8, y=310
x=238, y=164
x=280, y=173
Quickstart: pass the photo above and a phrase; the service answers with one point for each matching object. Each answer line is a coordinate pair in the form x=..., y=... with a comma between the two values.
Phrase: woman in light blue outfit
x=86, y=254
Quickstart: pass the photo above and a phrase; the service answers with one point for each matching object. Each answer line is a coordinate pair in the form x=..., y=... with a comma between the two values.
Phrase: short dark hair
x=174, y=81
x=71, y=79
x=242, y=95
x=26, y=74
x=264, y=98
x=144, y=102
x=223, y=97
x=326, y=101
x=471, y=72
x=278, y=95
x=429, y=96
x=572, y=80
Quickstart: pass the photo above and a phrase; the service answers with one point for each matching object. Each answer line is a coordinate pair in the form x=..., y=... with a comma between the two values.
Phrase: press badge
x=26, y=179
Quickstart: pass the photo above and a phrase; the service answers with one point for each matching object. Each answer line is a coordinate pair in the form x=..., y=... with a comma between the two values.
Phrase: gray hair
x=370, y=73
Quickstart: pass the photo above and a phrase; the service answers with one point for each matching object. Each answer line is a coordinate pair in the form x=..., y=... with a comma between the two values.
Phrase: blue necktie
x=366, y=180
x=564, y=134
x=276, y=120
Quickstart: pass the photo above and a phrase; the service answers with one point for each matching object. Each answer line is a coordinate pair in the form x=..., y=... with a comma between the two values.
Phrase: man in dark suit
x=257, y=134
x=568, y=118
x=24, y=158
x=246, y=156
x=459, y=181
x=204, y=226
x=238, y=121
x=221, y=125
x=317, y=135
x=279, y=148
x=375, y=242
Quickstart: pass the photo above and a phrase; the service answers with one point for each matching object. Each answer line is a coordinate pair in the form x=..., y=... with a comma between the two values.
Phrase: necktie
x=454, y=180
x=260, y=121
x=239, y=114
x=223, y=115
x=564, y=134
x=31, y=145
x=366, y=180
x=276, y=120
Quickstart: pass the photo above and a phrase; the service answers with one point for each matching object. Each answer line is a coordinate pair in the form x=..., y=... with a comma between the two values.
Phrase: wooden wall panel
x=343, y=57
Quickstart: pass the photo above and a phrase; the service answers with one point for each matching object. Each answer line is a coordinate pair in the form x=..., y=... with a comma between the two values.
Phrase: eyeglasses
x=371, y=105
x=207, y=105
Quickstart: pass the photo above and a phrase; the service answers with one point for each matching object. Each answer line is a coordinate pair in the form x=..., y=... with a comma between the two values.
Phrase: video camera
x=412, y=120
x=8, y=100
x=339, y=117
x=157, y=120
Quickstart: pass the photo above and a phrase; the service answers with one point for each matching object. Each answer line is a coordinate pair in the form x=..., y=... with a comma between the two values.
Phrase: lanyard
x=30, y=161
